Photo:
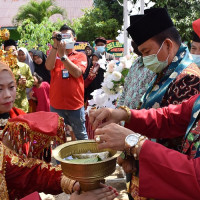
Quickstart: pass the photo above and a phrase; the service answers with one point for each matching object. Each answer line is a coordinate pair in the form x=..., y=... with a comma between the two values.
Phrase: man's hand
x=61, y=48
x=112, y=136
x=128, y=164
x=22, y=81
x=55, y=41
x=106, y=115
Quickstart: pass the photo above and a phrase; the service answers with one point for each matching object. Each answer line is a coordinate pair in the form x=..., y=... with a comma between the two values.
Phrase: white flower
x=123, y=60
x=107, y=91
x=108, y=78
x=128, y=64
x=116, y=76
x=100, y=99
x=102, y=62
x=110, y=66
x=119, y=68
x=109, y=84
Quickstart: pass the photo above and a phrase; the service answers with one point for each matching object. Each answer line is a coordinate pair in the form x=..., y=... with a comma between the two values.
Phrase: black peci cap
x=151, y=23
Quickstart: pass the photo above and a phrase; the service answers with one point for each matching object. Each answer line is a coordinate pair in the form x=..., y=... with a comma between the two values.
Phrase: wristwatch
x=130, y=142
x=63, y=58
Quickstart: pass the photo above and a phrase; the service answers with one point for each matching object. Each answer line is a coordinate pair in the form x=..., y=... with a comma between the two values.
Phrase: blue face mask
x=196, y=59
x=101, y=49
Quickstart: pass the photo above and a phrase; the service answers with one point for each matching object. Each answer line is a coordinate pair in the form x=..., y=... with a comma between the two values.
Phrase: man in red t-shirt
x=67, y=84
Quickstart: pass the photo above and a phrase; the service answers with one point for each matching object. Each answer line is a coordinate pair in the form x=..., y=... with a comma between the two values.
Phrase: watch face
x=132, y=140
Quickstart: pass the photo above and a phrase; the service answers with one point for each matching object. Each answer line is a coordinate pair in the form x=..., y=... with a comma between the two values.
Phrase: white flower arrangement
x=114, y=78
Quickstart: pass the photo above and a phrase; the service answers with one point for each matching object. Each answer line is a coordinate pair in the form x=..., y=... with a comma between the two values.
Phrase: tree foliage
x=183, y=13
x=112, y=8
x=94, y=23
x=38, y=36
x=37, y=11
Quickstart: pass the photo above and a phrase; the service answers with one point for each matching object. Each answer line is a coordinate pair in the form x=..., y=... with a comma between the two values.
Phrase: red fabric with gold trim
x=39, y=129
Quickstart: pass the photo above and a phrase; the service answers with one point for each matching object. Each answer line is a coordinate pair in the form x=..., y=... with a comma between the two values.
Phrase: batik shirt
x=136, y=84
x=22, y=69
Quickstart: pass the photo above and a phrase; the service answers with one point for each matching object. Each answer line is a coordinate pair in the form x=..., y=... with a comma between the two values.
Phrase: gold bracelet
x=134, y=149
x=67, y=184
x=128, y=111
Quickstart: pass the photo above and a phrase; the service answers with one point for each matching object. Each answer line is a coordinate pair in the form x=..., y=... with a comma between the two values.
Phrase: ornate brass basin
x=89, y=175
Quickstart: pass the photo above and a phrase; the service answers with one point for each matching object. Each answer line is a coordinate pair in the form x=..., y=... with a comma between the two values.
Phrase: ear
x=169, y=45
x=75, y=39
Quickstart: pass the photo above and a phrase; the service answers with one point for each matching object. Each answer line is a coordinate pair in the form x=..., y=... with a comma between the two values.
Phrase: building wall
x=9, y=8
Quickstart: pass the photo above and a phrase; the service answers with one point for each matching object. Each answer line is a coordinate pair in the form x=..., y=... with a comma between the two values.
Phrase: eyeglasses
x=66, y=36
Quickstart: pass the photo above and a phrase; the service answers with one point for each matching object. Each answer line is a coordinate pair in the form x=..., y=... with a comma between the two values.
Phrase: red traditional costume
x=165, y=173
x=20, y=177
x=35, y=131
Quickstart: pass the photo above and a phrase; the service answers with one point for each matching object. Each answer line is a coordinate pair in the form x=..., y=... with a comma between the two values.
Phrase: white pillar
x=141, y=6
x=125, y=12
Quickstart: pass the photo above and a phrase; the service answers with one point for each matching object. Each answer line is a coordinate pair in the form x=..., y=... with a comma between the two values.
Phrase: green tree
x=37, y=11
x=183, y=13
x=112, y=9
x=38, y=36
x=95, y=23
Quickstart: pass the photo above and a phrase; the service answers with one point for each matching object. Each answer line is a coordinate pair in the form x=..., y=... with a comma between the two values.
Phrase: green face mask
x=152, y=63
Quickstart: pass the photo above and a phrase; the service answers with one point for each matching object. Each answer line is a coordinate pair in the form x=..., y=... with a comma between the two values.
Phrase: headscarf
x=41, y=69
x=32, y=51
x=28, y=60
x=91, y=48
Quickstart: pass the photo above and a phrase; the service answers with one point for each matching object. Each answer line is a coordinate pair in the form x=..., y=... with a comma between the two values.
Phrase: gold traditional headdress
x=8, y=57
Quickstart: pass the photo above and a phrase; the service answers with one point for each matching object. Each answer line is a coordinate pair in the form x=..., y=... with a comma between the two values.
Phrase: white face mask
x=152, y=63
x=196, y=59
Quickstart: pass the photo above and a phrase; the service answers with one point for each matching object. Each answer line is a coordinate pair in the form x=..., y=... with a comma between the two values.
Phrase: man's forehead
x=66, y=32
x=148, y=45
x=195, y=44
x=10, y=47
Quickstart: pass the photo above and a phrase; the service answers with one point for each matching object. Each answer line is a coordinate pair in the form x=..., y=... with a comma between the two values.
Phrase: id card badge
x=65, y=74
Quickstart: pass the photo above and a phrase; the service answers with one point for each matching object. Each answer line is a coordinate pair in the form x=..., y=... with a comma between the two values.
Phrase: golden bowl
x=88, y=175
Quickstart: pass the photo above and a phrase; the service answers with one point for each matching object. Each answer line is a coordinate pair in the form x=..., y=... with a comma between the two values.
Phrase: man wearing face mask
x=177, y=76
x=195, y=45
x=67, y=85
x=100, y=43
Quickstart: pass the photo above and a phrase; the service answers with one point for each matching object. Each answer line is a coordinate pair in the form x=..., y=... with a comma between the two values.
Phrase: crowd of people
x=160, y=104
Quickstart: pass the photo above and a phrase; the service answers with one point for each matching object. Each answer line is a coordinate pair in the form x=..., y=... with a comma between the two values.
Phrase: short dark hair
x=100, y=39
x=9, y=42
x=135, y=48
x=39, y=78
x=66, y=28
x=170, y=33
